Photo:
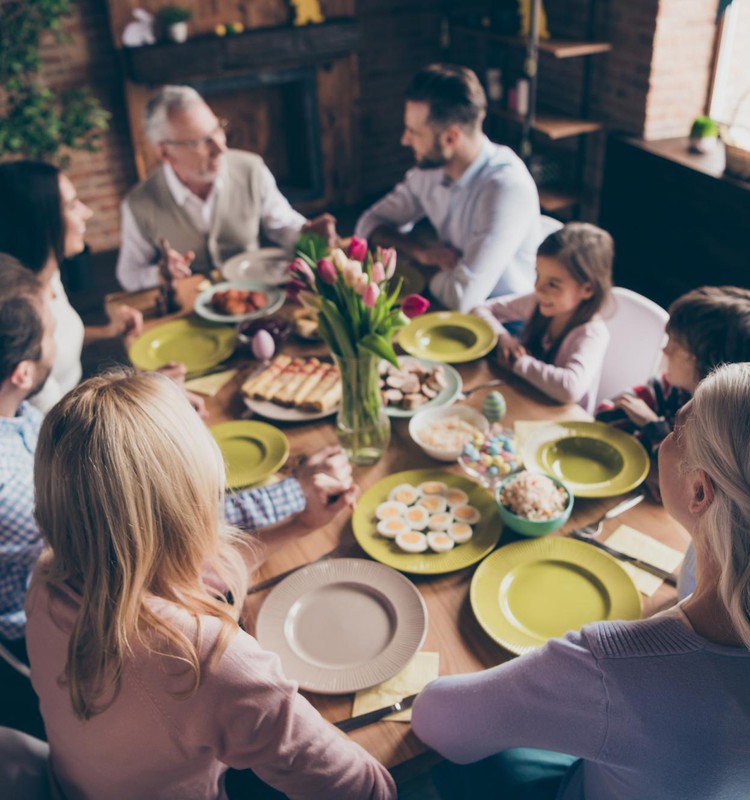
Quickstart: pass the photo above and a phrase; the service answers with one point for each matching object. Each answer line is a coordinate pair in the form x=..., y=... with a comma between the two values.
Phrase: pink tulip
x=302, y=269
x=371, y=294
x=357, y=249
x=293, y=288
x=327, y=271
x=388, y=257
x=378, y=272
x=413, y=305
x=361, y=282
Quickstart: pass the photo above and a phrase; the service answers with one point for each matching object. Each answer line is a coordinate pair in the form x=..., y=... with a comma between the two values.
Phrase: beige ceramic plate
x=269, y=264
x=343, y=625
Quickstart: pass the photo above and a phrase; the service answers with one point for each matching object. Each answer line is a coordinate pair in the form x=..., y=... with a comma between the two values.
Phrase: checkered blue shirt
x=20, y=543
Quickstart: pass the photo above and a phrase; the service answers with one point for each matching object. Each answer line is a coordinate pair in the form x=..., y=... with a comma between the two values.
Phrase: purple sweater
x=150, y=744
x=651, y=708
x=574, y=375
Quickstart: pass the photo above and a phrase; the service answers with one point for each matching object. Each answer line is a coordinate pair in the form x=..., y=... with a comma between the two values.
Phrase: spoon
x=469, y=392
x=592, y=530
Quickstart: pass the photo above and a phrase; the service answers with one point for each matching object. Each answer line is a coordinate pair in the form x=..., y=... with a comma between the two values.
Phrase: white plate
x=265, y=408
x=269, y=264
x=444, y=397
x=342, y=625
x=203, y=301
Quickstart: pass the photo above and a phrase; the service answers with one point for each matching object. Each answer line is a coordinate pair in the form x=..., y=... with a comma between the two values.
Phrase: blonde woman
x=658, y=708
x=147, y=685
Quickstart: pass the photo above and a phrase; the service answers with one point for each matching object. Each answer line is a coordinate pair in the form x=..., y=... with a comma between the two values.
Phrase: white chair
x=637, y=332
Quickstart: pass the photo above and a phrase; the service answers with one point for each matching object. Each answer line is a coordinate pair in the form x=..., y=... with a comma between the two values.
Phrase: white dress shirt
x=490, y=215
x=135, y=267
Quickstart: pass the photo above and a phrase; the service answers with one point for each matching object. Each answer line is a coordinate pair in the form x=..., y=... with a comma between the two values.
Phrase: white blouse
x=66, y=371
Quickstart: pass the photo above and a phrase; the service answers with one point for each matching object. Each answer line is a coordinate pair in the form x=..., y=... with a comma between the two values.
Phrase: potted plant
x=704, y=135
x=174, y=21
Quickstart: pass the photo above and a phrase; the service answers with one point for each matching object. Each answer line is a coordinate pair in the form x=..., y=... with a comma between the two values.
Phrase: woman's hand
x=327, y=481
x=175, y=371
x=124, y=321
x=198, y=404
x=508, y=350
x=639, y=413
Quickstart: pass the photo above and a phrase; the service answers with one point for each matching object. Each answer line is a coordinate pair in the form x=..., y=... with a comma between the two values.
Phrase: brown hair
x=712, y=323
x=21, y=327
x=587, y=253
x=454, y=94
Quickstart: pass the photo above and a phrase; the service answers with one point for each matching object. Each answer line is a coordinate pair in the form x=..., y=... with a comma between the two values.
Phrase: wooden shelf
x=558, y=48
x=553, y=126
x=553, y=200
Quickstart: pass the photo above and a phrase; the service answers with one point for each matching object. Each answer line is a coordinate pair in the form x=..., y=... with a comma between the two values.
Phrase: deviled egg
x=432, y=487
x=456, y=497
x=412, y=542
x=439, y=522
x=417, y=517
x=460, y=532
x=439, y=541
x=467, y=514
x=390, y=509
x=390, y=528
x=404, y=493
x=434, y=503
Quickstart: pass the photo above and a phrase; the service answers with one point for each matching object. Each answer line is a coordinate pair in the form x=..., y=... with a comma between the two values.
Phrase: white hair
x=717, y=441
x=162, y=105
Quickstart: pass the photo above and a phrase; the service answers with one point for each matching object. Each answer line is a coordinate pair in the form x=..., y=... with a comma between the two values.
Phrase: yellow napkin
x=210, y=384
x=637, y=544
x=525, y=427
x=422, y=669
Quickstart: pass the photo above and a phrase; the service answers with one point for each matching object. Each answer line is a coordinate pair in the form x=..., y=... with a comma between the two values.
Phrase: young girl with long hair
x=564, y=340
x=147, y=684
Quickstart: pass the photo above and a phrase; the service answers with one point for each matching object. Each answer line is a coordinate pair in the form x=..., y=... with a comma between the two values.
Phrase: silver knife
x=361, y=720
x=667, y=577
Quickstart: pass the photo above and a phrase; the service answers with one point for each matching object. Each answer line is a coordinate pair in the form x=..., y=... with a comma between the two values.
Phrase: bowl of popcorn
x=534, y=504
x=442, y=432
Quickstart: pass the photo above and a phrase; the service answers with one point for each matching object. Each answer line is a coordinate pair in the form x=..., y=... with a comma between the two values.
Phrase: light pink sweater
x=574, y=375
x=150, y=744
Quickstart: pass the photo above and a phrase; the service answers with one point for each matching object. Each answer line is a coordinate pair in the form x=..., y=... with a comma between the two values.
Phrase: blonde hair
x=129, y=488
x=717, y=441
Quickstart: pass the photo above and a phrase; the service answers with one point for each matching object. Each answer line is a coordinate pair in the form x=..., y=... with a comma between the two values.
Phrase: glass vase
x=362, y=425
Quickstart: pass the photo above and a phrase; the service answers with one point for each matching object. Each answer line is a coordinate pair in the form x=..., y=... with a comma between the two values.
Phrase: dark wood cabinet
x=678, y=221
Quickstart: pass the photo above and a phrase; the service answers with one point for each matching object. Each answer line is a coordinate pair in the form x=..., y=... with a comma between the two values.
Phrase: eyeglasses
x=204, y=141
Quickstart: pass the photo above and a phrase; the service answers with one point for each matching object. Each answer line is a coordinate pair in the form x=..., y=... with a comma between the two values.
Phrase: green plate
x=274, y=294
x=447, y=336
x=451, y=390
x=528, y=592
x=414, y=280
x=252, y=451
x=593, y=459
x=486, y=531
x=197, y=344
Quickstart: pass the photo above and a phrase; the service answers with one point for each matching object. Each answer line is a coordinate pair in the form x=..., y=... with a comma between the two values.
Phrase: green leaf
x=381, y=347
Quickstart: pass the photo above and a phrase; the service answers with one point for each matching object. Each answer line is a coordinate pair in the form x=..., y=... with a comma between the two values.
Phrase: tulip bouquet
x=359, y=311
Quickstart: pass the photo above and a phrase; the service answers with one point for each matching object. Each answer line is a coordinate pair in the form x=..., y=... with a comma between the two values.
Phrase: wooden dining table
x=452, y=631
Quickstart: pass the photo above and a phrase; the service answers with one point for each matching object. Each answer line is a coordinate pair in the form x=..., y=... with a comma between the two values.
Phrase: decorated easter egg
x=494, y=406
x=263, y=346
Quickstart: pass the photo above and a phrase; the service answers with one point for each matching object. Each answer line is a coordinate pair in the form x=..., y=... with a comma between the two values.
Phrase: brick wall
x=89, y=59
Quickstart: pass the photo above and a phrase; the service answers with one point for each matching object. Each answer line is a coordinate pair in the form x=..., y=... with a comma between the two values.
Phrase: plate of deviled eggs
x=427, y=521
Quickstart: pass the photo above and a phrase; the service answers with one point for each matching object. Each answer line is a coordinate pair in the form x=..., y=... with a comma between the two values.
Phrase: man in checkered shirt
x=27, y=351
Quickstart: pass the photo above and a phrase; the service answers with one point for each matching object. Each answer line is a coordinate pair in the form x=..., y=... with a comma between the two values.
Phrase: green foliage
x=171, y=15
x=35, y=121
x=704, y=127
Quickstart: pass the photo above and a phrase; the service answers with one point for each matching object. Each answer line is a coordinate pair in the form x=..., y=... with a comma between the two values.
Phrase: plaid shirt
x=21, y=544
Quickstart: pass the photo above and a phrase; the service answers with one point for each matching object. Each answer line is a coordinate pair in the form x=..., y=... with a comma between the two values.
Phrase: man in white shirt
x=207, y=201
x=479, y=197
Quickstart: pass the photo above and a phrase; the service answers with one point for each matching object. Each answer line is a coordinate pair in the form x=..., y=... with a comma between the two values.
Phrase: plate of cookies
x=238, y=301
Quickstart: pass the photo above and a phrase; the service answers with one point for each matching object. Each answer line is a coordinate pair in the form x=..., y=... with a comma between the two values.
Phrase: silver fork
x=464, y=395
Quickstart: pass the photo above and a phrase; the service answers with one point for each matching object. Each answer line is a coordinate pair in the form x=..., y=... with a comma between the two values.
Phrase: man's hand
x=174, y=370
x=325, y=226
x=326, y=479
x=124, y=321
x=198, y=404
x=178, y=264
x=639, y=413
x=445, y=258
x=508, y=350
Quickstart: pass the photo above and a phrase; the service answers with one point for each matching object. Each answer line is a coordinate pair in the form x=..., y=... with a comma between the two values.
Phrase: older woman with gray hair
x=654, y=708
x=208, y=201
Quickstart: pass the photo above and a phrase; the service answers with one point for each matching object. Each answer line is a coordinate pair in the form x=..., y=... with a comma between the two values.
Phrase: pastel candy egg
x=494, y=406
x=263, y=346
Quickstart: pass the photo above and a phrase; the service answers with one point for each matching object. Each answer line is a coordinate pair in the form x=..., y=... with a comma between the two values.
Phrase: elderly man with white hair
x=208, y=201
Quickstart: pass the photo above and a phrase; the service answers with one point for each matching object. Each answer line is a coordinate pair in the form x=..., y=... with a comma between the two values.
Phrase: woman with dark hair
x=42, y=221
